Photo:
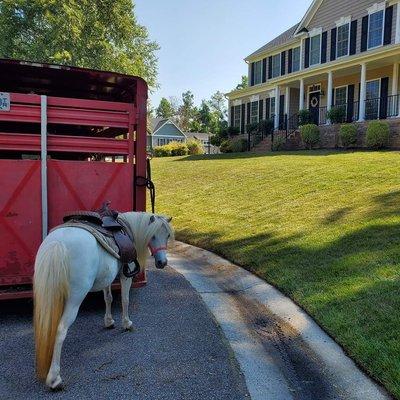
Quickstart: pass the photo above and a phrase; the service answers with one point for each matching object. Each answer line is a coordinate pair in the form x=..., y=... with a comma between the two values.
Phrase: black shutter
x=350, y=103
x=264, y=70
x=333, y=43
x=290, y=61
x=248, y=113
x=387, y=38
x=282, y=104
x=307, y=54
x=242, y=125
x=269, y=67
x=232, y=115
x=384, y=98
x=261, y=110
x=353, y=37
x=268, y=108
x=364, y=33
x=283, y=63
x=324, y=47
x=252, y=75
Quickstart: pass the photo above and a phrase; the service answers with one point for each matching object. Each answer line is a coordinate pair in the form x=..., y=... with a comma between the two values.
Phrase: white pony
x=69, y=264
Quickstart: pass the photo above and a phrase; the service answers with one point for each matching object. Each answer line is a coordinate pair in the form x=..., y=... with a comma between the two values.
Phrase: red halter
x=156, y=250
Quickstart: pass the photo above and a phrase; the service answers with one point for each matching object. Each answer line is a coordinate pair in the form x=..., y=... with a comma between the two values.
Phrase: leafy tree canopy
x=98, y=34
x=244, y=83
x=165, y=109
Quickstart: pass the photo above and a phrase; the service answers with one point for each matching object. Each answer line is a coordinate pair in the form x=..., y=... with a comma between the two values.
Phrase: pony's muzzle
x=161, y=264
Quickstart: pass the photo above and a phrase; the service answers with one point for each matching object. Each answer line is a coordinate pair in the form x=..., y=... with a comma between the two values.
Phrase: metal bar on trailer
x=43, y=157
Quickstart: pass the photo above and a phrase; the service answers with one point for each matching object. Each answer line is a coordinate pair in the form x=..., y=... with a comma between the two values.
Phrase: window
x=343, y=33
x=276, y=66
x=257, y=72
x=341, y=96
x=272, y=107
x=296, y=59
x=254, y=112
x=373, y=100
x=161, y=142
x=375, y=29
x=315, y=50
x=237, y=117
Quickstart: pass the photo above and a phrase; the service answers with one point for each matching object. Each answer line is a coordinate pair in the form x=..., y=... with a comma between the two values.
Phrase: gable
x=169, y=129
x=330, y=11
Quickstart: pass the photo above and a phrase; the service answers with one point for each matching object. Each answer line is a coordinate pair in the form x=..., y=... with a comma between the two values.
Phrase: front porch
x=363, y=92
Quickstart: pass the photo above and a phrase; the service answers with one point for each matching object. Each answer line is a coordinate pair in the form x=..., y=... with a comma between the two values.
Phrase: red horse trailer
x=70, y=139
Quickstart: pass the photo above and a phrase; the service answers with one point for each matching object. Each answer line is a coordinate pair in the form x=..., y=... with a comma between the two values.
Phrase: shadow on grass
x=308, y=153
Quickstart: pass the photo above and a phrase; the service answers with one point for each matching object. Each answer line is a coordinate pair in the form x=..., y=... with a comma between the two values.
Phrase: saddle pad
x=106, y=241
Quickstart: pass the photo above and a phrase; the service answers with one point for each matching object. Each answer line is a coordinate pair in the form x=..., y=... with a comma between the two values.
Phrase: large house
x=343, y=53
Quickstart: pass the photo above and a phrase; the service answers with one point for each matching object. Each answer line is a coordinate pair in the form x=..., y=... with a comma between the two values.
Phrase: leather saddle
x=105, y=221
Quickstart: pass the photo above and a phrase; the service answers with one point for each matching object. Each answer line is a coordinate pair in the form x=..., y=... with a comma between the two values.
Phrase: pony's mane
x=142, y=230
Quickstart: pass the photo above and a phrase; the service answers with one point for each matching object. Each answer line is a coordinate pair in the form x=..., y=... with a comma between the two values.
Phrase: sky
x=203, y=42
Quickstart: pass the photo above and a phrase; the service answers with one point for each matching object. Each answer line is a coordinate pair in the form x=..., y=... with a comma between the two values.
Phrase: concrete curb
x=239, y=300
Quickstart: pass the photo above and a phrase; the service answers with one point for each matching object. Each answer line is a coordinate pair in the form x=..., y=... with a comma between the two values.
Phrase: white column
x=363, y=92
x=277, y=106
x=287, y=100
x=397, y=40
x=330, y=90
x=301, y=100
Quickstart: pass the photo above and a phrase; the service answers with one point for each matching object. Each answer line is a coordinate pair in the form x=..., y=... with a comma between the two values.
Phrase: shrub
x=305, y=117
x=194, y=147
x=348, y=135
x=162, y=151
x=239, y=146
x=310, y=134
x=178, y=148
x=278, y=143
x=232, y=131
x=226, y=146
x=377, y=134
x=337, y=115
x=266, y=126
x=252, y=127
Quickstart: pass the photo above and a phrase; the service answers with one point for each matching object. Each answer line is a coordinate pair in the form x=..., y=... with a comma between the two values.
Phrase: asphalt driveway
x=176, y=352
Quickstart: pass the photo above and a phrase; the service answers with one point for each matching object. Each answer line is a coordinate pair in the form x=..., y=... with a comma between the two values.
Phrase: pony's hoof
x=128, y=327
x=55, y=385
x=109, y=323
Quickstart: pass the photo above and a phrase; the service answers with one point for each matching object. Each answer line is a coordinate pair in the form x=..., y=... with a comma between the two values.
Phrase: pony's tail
x=51, y=289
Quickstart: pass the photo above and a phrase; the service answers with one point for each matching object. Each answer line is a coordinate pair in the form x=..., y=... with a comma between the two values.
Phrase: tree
x=187, y=111
x=218, y=104
x=98, y=34
x=244, y=84
x=165, y=109
x=205, y=116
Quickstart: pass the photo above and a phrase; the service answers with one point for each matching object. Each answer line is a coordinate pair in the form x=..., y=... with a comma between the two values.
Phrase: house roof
x=155, y=124
x=197, y=135
x=278, y=41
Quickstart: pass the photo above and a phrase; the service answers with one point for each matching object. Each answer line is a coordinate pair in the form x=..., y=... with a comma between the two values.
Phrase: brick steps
x=264, y=146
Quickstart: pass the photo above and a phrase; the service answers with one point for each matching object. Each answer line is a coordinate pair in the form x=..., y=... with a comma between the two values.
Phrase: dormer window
x=315, y=50
x=375, y=29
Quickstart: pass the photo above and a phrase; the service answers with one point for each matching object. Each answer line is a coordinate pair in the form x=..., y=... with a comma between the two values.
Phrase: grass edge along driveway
x=322, y=226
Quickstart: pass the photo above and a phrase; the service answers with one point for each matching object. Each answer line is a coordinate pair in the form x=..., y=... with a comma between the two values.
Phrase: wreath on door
x=314, y=102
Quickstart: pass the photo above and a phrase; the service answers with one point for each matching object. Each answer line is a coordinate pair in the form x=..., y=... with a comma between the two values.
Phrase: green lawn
x=323, y=227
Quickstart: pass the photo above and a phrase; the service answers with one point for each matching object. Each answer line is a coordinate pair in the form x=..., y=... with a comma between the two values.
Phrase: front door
x=313, y=106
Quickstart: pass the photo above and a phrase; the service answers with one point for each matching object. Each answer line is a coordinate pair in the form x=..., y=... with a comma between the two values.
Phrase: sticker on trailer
x=4, y=101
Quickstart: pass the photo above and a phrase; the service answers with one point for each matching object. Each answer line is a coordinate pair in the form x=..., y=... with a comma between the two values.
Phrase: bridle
x=154, y=251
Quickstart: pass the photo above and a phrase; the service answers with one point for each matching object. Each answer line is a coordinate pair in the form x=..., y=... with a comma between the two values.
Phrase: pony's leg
x=53, y=379
x=125, y=287
x=108, y=319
